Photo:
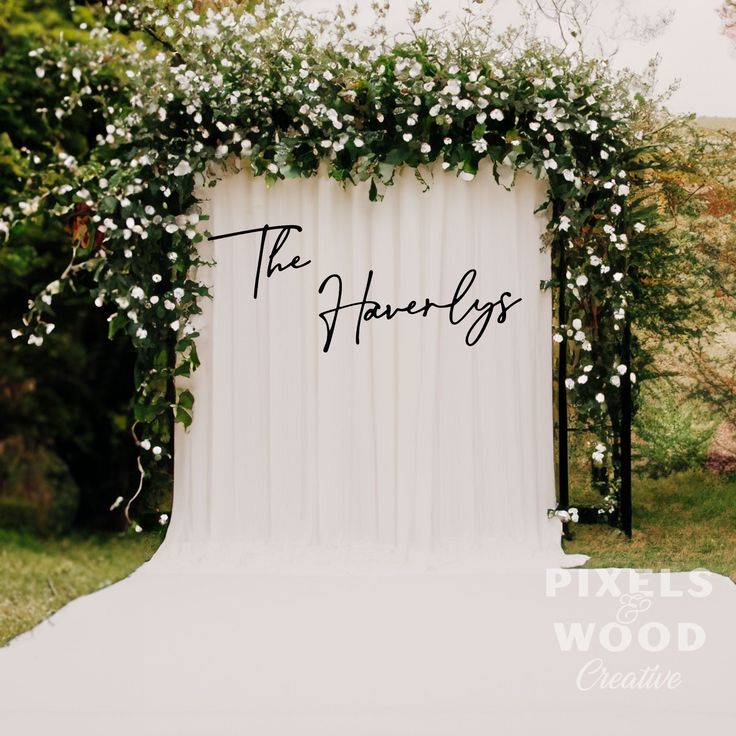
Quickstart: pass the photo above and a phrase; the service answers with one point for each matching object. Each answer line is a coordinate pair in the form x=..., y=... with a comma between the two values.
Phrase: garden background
x=67, y=457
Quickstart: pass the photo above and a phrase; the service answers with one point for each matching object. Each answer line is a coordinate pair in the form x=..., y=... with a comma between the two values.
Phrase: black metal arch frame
x=623, y=517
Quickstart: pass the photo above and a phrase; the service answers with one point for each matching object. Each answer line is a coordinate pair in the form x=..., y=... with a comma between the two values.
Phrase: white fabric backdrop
x=411, y=443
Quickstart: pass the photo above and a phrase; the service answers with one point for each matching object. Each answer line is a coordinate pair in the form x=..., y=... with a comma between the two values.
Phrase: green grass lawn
x=680, y=523
x=38, y=576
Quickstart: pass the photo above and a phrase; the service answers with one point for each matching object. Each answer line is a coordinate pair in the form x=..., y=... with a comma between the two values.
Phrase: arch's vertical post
x=625, y=439
x=562, y=446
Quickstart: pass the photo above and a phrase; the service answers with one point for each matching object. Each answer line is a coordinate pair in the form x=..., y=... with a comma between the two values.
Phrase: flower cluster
x=283, y=92
x=564, y=515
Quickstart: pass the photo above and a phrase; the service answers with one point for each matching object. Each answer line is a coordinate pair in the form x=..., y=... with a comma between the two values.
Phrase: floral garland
x=284, y=91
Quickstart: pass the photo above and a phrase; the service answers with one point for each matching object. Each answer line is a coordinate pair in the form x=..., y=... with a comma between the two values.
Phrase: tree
x=73, y=400
x=593, y=27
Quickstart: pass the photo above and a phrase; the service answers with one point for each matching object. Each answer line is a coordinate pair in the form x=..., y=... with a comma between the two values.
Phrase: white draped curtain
x=411, y=443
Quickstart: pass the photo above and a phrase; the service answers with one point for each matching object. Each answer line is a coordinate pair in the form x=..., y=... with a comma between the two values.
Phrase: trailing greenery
x=73, y=398
x=281, y=92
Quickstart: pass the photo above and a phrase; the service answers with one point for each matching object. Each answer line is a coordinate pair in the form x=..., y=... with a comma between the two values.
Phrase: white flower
x=595, y=260
x=481, y=117
x=127, y=253
x=621, y=369
x=577, y=324
x=168, y=304
x=163, y=519
x=172, y=256
x=358, y=143
x=141, y=334
x=604, y=155
x=623, y=190
x=639, y=227
x=557, y=337
x=568, y=174
x=156, y=450
x=615, y=381
x=452, y=87
x=50, y=326
x=407, y=137
x=434, y=111
x=592, y=125
x=15, y=334
x=597, y=458
x=46, y=298
x=138, y=528
x=146, y=444
x=550, y=163
x=582, y=379
x=563, y=516
x=497, y=114
x=467, y=176
x=221, y=151
x=600, y=398
x=581, y=280
x=175, y=325
x=156, y=278
x=35, y=340
x=564, y=224
x=632, y=377
x=618, y=276
x=182, y=169
x=425, y=148
x=534, y=126
x=116, y=503
x=579, y=336
x=40, y=73
x=569, y=383
x=616, y=209
x=178, y=293
x=480, y=145
x=137, y=293
x=274, y=169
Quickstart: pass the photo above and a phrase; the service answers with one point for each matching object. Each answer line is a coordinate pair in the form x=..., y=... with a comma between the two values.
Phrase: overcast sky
x=692, y=48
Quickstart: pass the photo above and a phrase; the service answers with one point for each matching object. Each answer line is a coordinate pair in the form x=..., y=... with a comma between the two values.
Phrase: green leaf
x=183, y=417
x=186, y=399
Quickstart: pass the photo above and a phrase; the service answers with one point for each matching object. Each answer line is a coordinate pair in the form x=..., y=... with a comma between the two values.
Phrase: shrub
x=37, y=491
x=670, y=435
